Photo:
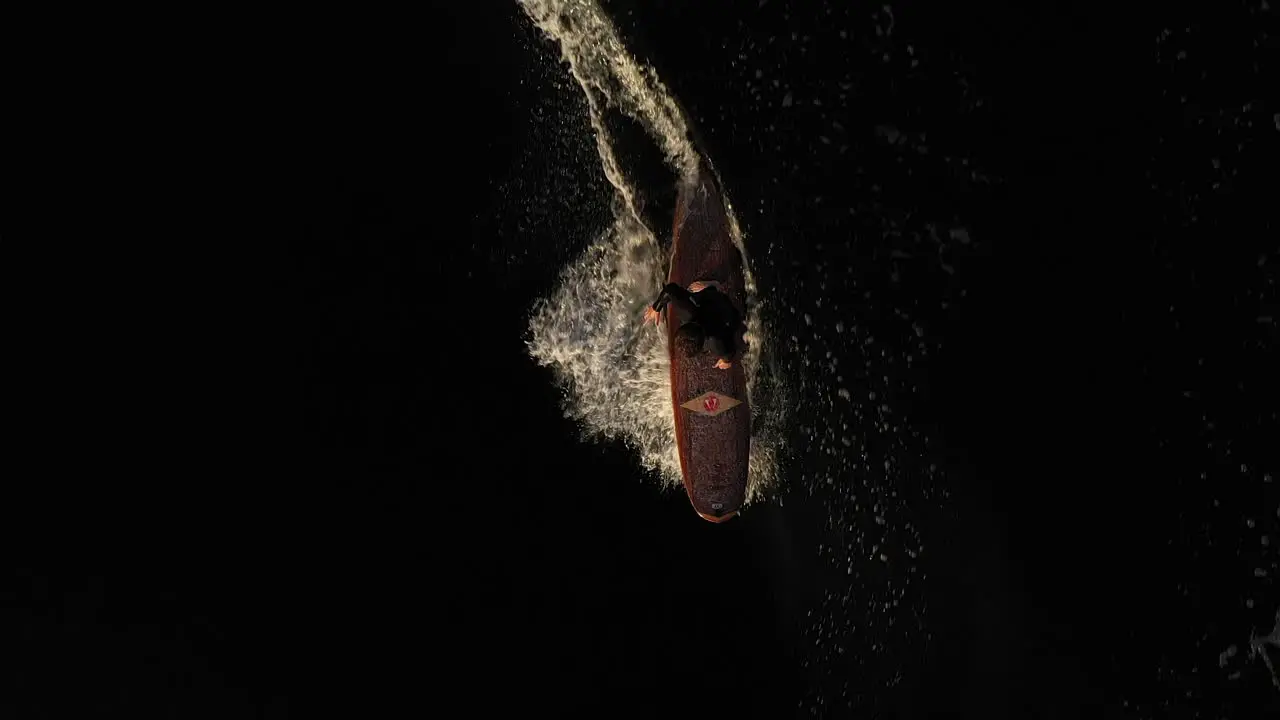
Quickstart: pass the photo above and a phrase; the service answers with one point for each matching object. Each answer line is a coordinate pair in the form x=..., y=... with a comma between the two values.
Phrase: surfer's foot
x=651, y=315
x=700, y=285
x=723, y=364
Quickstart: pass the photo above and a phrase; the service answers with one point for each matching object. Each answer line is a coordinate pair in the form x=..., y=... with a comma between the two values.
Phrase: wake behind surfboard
x=619, y=381
x=712, y=414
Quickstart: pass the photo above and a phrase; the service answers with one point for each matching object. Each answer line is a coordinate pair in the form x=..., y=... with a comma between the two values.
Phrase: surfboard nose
x=717, y=518
x=716, y=509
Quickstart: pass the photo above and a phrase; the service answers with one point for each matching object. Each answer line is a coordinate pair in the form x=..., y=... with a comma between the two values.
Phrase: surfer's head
x=689, y=339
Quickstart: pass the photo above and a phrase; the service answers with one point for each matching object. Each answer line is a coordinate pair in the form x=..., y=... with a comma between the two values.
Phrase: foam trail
x=615, y=374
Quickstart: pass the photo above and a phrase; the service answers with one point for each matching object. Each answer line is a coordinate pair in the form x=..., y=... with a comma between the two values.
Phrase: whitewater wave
x=588, y=330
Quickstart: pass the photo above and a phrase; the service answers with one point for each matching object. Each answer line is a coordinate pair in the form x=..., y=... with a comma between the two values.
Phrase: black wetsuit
x=712, y=310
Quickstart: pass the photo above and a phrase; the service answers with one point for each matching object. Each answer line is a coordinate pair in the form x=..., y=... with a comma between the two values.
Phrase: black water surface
x=1037, y=234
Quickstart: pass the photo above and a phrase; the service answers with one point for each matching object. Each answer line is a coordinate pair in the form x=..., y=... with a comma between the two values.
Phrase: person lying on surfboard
x=707, y=317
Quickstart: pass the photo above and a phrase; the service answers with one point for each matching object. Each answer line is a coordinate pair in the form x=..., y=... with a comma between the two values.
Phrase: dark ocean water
x=1018, y=274
x=1016, y=238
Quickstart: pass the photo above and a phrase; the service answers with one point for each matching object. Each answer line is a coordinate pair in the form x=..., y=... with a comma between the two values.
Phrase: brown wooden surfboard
x=713, y=418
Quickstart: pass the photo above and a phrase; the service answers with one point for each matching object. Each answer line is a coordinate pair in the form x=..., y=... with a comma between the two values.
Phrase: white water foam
x=588, y=330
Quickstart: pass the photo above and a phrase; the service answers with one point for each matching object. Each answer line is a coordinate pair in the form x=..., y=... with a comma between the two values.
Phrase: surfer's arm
x=652, y=316
x=700, y=285
x=673, y=292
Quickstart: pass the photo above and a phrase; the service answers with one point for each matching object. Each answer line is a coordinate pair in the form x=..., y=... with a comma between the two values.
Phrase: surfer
x=707, y=318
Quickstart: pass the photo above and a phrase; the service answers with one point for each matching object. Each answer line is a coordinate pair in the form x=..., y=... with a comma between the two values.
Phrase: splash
x=589, y=331
x=1257, y=647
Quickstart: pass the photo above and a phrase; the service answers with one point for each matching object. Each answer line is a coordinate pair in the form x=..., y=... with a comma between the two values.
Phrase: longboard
x=713, y=417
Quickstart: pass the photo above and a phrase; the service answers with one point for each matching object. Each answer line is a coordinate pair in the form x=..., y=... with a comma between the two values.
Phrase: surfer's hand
x=723, y=364
x=651, y=315
x=700, y=285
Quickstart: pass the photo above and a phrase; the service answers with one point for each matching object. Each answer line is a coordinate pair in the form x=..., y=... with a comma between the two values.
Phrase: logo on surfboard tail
x=711, y=404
